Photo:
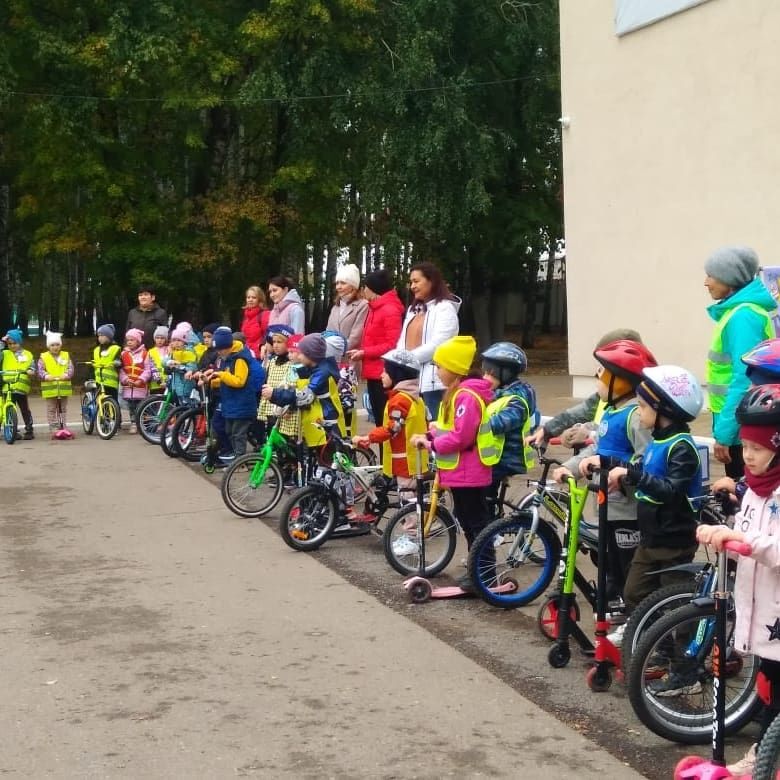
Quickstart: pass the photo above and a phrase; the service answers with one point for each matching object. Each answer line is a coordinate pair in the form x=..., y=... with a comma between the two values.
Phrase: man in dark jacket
x=147, y=315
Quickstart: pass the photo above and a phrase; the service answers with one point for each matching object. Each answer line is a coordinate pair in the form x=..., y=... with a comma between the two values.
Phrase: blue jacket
x=510, y=421
x=318, y=387
x=743, y=331
x=240, y=403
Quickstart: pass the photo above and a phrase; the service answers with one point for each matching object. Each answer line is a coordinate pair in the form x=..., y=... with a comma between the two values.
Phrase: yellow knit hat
x=456, y=355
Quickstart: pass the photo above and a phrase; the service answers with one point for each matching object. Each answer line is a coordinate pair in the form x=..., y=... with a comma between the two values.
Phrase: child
x=239, y=377
x=757, y=625
x=404, y=417
x=135, y=373
x=347, y=382
x=106, y=360
x=180, y=356
x=55, y=370
x=622, y=437
x=453, y=437
x=157, y=354
x=513, y=411
x=667, y=479
x=15, y=358
x=279, y=373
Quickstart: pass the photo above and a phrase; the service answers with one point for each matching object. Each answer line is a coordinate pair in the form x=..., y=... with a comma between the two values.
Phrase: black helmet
x=760, y=406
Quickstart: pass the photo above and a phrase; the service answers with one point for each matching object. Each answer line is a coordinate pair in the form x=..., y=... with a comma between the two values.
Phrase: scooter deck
x=454, y=591
x=698, y=768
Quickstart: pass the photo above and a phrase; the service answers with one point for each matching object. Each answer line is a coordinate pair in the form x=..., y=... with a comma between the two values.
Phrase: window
x=632, y=14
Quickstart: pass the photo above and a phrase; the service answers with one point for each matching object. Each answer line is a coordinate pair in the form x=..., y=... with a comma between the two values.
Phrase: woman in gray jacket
x=348, y=315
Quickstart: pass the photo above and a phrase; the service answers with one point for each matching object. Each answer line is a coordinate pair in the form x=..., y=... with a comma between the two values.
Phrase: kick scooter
x=62, y=433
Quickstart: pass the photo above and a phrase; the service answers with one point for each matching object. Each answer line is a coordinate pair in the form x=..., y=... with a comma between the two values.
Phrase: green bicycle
x=154, y=410
x=10, y=415
x=99, y=410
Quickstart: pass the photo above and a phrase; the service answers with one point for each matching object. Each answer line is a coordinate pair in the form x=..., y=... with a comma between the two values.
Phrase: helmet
x=508, y=354
x=672, y=391
x=401, y=364
x=278, y=330
x=335, y=344
x=760, y=406
x=763, y=362
x=625, y=359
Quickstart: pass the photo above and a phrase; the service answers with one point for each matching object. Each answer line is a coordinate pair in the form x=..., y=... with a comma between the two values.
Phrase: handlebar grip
x=555, y=440
x=742, y=548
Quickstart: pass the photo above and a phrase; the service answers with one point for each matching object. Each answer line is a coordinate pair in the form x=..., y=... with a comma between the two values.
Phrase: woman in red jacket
x=380, y=335
x=255, y=322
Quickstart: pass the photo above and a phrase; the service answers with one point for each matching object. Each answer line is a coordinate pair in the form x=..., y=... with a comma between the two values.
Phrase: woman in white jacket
x=431, y=320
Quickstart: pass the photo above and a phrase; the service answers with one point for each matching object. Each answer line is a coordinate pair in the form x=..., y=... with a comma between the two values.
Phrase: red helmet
x=626, y=359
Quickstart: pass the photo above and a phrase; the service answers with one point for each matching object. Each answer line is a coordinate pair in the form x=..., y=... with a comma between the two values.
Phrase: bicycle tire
x=442, y=536
x=190, y=435
x=768, y=755
x=10, y=424
x=108, y=418
x=239, y=495
x=149, y=416
x=166, y=430
x=88, y=414
x=308, y=518
x=690, y=722
x=487, y=572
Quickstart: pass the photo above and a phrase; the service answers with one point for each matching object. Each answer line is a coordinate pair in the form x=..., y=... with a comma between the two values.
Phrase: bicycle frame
x=273, y=443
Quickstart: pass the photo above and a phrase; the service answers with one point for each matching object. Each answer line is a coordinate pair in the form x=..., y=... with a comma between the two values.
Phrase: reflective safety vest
x=489, y=445
x=56, y=366
x=312, y=435
x=157, y=359
x=415, y=424
x=614, y=440
x=601, y=407
x=493, y=408
x=106, y=372
x=719, y=373
x=655, y=462
x=18, y=361
x=134, y=362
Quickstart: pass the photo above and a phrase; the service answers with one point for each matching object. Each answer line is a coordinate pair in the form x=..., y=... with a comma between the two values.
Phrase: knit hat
x=335, y=344
x=238, y=335
x=53, y=338
x=379, y=282
x=313, y=346
x=222, y=338
x=210, y=328
x=107, y=330
x=619, y=334
x=350, y=274
x=456, y=355
x=161, y=330
x=178, y=334
x=766, y=435
x=135, y=333
x=185, y=326
x=15, y=335
x=735, y=266
x=294, y=342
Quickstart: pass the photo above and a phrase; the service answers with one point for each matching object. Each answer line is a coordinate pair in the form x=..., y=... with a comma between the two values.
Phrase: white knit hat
x=350, y=274
x=53, y=338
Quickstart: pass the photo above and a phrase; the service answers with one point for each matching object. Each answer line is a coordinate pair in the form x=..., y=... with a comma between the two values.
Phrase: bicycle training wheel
x=149, y=416
x=108, y=418
x=88, y=414
x=308, y=518
x=10, y=424
x=247, y=491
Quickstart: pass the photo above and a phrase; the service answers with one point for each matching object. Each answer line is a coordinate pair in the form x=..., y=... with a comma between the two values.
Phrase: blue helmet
x=278, y=330
x=763, y=362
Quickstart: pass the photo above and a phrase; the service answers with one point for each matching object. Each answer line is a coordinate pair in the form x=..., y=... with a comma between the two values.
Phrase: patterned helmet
x=672, y=391
x=507, y=354
x=404, y=359
x=763, y=362
x=626, y=359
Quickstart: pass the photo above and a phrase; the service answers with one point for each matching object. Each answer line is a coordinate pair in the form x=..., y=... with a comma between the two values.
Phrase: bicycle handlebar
x=741, y=548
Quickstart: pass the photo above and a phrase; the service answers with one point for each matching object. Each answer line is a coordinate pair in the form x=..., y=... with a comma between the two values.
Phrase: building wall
x=673, y=148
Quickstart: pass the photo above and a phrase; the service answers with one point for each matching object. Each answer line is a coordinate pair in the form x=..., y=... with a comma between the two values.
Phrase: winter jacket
x=757, y=589
x=349, y=318
x=318, y=387
x=744, y=330
x=289, y=311
x=136, y=366
x=147, y=321
x=180, y=358
x=672, y=521
x=380, y=332
x=441, y=323
x=254, y=326
x=510, y=421
x=237, y=396
x=464, y=413
x=583, y=412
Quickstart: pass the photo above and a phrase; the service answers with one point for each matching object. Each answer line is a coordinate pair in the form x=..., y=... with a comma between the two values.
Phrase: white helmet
x=335, y=344
x=403, y=358
x=672, y=391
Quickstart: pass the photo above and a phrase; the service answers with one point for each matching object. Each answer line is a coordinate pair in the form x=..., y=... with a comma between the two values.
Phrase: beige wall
x=673, y=149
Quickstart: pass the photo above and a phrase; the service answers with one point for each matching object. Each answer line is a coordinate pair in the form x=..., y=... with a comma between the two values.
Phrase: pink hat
x=135, y=333
x=179, y=334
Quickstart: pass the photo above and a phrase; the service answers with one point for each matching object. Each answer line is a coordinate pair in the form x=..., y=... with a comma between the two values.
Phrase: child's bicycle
x=10, y=415
x=154, y=409
x=191, y=431
x=99, y=410
x=318, y=511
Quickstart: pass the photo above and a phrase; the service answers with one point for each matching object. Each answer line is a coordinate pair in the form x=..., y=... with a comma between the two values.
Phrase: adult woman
x=255, y=321
x=431, y=320
x=288, y=307
x=380, y=334
x=348, y=315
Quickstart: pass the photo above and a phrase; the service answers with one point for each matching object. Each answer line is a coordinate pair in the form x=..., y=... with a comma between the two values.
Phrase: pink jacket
x=466, y=417
x=757, y=589
x=139, y=359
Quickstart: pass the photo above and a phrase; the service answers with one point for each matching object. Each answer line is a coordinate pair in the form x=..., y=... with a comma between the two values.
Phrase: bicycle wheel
x=190, y=435
x=245, y=493
x=108, y=418
x=768, y=755
x=651, y=609
x=88, y=413
x=10, y=424
x=506, y=548
x=166, y=430
x=670, y=680
x=149, y=417
x=308, y=518
x=402, y=550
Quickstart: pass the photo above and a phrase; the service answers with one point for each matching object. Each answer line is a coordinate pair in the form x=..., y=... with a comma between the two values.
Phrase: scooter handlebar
x=741, y=548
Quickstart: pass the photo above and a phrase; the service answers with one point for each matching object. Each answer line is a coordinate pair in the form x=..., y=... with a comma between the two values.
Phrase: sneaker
x=133, y=428
x=360, y=517
x=676, y=684
x=616, y=636
x=466, y=584
x=28, y=435
x=228, y=457
x=405, y=545
x=745, y=765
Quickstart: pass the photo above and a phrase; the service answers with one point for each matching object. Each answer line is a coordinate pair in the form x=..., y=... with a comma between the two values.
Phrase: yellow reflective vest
x=56, y=366
x=106, y=373
x=415, y=424
x=21, y=361
x=312, y=435
x=157, y=359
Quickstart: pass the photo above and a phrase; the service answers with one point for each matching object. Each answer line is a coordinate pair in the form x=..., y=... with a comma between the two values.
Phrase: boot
x=28, y=434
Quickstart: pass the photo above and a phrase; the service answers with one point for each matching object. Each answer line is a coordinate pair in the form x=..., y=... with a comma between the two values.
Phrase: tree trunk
x=5, y=258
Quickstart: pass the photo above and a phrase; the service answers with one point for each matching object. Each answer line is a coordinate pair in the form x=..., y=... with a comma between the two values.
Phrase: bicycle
x=10, y=415
x=154, y=409
x=99, y=410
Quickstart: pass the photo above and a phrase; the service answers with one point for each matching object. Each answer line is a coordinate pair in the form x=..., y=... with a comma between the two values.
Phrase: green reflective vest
x=21, y=361
x=719, y=373
x=106, y=372
x=56, y=367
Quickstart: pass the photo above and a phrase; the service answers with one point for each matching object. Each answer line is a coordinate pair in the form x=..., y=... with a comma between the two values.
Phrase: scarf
x=764, y=485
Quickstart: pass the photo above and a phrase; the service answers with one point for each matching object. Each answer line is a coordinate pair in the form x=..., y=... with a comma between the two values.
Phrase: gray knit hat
x=107, y=330
x=735, y=266
x=313, y=346
x=161, y=330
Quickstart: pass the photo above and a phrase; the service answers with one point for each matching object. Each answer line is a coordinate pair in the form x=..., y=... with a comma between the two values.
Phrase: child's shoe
x=354, y=516
x=133, y=428
x=405, y=545
x=28, y=435
x=745, y=765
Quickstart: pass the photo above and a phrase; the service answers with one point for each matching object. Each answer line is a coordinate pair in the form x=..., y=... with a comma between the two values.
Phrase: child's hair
x=259, y=293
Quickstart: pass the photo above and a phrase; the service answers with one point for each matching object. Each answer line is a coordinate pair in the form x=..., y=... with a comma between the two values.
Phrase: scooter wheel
x=686, y=764
x=598, y=680
x=420, y=592
x=209, y=469
x=559, y=656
